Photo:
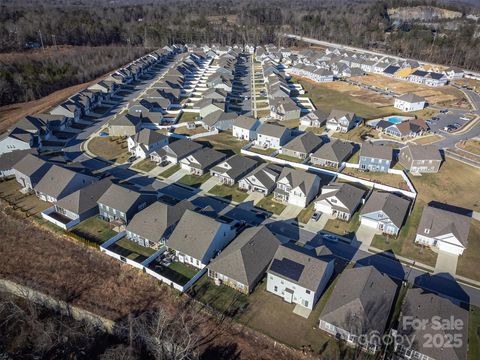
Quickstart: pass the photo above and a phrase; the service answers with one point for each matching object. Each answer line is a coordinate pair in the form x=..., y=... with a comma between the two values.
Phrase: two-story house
x=175, y=151
x=332, y=154
x=339, y=200
x=302, y=146
x=233, y=169
x=299, y=275
x=409, y=102
x=296, y=187
x=377, y=158
x=316, y=119
x=340, y=121
x=145, y=141
x=245, y=128
x=30, y=170
x=263, y=179
x=272, y=136
x=201, y=161
x=420, y=158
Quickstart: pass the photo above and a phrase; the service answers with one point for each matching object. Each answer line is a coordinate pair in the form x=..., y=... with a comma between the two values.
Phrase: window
x=275, y=288
x=427, y=231
x=307, y=291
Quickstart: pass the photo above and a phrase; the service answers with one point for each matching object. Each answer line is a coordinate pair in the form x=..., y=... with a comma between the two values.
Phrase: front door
x=288, y=296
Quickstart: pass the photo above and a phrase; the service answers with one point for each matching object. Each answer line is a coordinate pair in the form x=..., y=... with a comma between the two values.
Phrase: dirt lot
x=86, y=278
x=444, y=95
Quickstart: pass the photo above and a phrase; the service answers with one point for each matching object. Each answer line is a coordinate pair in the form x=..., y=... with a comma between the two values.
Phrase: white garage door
x=369, y=222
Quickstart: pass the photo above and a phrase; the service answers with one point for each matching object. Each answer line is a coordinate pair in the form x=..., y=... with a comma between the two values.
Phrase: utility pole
x=41, y=39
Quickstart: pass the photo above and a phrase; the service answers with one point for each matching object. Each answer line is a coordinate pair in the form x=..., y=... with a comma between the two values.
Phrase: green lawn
x=109, y=148
x=355, y=158
x=185, y=270
x=404, y=244
x=343, y=228
x=222, y=298
x=194, y=180
x=145, y=165
x=474, y=333
x=262, y=151
x=306, y=214
x=230, y=192
x=187, y=117
x=131, y=250
x=170, y=171
x=268, y=204
x=289, y=158
x=94, y=229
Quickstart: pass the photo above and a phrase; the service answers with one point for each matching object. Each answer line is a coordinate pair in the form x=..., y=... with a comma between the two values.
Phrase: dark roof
x=121, y=198
x=235, y=166
x=361, y=301
x=376, y=151
x=86, y=198
x=30, y=164
x=8, y=160
x=304, y=143
x=336, y=150
x=423, y=152
x=148, y=137
x=347, y=194
x=393, y=206
x=411, y=98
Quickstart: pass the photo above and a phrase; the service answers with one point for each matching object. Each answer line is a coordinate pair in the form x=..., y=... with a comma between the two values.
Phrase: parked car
x=316, y=216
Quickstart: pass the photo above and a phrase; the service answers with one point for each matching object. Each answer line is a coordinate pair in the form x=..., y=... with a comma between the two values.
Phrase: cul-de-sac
x=303, y=200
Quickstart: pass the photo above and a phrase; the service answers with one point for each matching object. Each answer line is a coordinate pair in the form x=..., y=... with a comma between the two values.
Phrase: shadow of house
x=444, y=285
x=385, y=263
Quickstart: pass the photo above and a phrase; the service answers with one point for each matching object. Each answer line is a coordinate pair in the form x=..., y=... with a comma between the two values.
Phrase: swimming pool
x=395, y=119
x=103, y=133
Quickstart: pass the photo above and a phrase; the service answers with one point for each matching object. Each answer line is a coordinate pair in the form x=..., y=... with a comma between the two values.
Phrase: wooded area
x=26, y=25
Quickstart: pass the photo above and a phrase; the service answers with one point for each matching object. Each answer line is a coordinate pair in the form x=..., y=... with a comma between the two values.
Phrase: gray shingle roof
x=393, y=206
x=442, y=222
x=235, y=166
x=206, y=158
x=120, y=198
x=314, y=265
x=420, y=304
x=248, y=256
x=194, y=234
x=411, y=98
x=147, y=137
x=219, y=116
x=8, y=160
x=304, y=143
x=361, y=301
x=376, y=151
x=152, y=222
x=272, y=130
x=423, y=152
x=298, y=178
x=30, y=164
x=86, y=198
x=337, y=151
x=182, y=147
x=246, y=122
x=349, y=195
x=126, y=120
x=57, y=179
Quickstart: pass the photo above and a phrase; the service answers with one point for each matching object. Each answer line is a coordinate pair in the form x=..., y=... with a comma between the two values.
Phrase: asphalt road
x=443, y=283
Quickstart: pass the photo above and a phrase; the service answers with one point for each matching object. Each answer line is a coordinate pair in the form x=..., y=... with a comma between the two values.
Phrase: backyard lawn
x=177, y=272
x=404, y=244
x=187, y=117
x=378, y=177
x=343, y=228
x=262, y=151
x=29, y=204
x=289, y=158
x=189, y=132
x=230, y=192
x=109, y=148
x=268, y=204
x=315, y=130
x=170, y=171
x=131, y=250
x=194, y=180
x=145, y=165
x=469, y=260
x=357, y=134
x=222, y=298
x=94, y=229
x=224, y=142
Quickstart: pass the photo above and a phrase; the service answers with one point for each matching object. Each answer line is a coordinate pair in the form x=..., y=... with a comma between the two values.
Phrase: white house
x=339, y=200
x=245, y=128
x=272, y=136
x=197, y=238
x=340, y=121
x=144, y=142
x=16, y=139
x=409, y=102
x=446, y=230
x=296, y=187
x=299, y=276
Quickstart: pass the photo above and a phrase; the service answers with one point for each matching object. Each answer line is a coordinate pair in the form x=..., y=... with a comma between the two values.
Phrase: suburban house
x=201, y=161
x=409, y=102
x=198, y=238
x=272, y=136
x=30, y=170
x=296, y=187
x=421, y=304
x=262, y=179
x=420, y=158
x=404, y=129
x=124, y=125
x=332, y=154
x=59, y=182
x=245, y=128
x=359, y=305
x=339, y=200
x=385, y=212
x=340, y=121
x=284, y=109
x=302, y=146
x=8, y=161
x=175, y=151
x=233, y=169
x=316, y=119
x=377, y=158
x=81, y=204
x=152, y=226
x=443, y=229
x=16, y=139
x=145, y=141
x=208, y=106
x=219, y=120
x=243, y=263
x=299, y=275
x=68, y=109
x=119, y=203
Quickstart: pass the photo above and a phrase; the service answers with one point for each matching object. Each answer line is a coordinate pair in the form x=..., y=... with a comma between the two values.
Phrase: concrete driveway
x=254, y=198
x=446, y=263
x=316, y=226
x=209, y=184
x=365, y=235
x=290, y=212
x=178, y=175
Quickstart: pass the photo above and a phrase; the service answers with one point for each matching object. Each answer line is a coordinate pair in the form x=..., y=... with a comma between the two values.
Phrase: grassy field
x=94, y=229
x=267, y=203
x=187, y=117
x=343, y=228
x=469, y=260
x=109, y=148
x=305, y=215
x=230, y=192
x=194, y=180
x=170, y=171
x=223, y=142
x=378, y=177
x=428, y=139
x=145, y=165
x=472, y=145
x=474, y=333
x=404, y=245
